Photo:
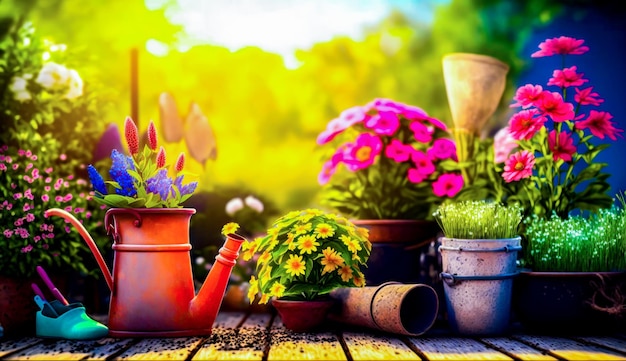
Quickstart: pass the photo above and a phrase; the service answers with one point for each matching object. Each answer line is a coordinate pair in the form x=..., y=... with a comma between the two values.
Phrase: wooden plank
x=288, y=345
x=613, y=343
x=228, y=319
x=12, y=345
x=175, y=348
x=455, y=348
x=570, y=349
x=368, y=347
x=69, y=349
x=245, y=343
x=517, y=349
x=107, y=347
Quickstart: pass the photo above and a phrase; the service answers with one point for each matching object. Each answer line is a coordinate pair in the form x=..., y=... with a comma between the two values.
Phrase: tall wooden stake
x=134, y=85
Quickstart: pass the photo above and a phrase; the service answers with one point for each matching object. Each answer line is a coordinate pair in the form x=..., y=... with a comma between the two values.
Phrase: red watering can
x=152, y=288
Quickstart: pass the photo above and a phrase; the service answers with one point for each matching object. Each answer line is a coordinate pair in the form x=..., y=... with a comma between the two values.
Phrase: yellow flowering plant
x=306, y=254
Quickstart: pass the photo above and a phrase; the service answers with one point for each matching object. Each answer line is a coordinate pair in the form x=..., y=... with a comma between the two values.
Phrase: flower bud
x=152, y=136
x=161, y=158
x=132, y=135
x=180, y=162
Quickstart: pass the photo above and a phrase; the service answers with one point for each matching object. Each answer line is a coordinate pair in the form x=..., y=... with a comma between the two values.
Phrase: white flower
x=233, y=206
x=18, y=86
x=76, y=85
x=200, y=261
x=53, y=76
x=254, y=203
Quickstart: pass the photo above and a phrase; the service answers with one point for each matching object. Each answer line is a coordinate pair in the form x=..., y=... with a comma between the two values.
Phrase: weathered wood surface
x=262, y=337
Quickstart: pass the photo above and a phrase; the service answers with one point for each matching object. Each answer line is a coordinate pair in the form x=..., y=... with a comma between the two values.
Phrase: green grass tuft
x=478, y=220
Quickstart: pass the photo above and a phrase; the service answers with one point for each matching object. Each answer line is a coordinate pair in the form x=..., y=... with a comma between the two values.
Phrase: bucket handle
x=501, y=249
x=109, y=222
x=453, y=279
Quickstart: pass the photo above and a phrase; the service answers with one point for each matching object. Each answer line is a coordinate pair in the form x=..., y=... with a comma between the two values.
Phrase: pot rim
x=476, y=57
x=483, y=239
x=529, y=273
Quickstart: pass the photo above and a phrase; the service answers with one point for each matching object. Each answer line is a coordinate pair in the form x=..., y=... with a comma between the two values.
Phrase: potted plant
x=304, y=256
x=479, y=257
x=389, y=166
x=578, y=279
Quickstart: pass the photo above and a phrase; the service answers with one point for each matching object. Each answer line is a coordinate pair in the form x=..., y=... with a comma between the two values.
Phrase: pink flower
x=63, y=156
x=448, y=184
x=329, y=168
x=565, y=147
x=29, y=166
x=563, y=45
x=8, y=233
x=567, y=77
x=442, y=149
x=415, y=176
x=26, y=207
x=15, y=166
x=3, y=167
x=524, y=124
x=160, y=160
x=17, y=196
x=68, y=197
x=586, y=97
x=152, y=136
x=385, y=122
x=346, y=119
x=27, y=249
x=21, y=152
x=45, y=198
x=132, y=137
x=28, y=153
x=362, y=154
x=48, y=170
x=180, y=163
x=47, y=188
x=421, y=132
x=398, y=151
x=33, y=158
x=518, y=166
x=30, y=217
x=37, y=239
x=600, y=125
x=527, y=95
x=423, y=163
x=552, y=104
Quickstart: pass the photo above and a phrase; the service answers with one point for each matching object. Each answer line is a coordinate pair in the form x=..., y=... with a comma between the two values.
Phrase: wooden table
x=261, y=336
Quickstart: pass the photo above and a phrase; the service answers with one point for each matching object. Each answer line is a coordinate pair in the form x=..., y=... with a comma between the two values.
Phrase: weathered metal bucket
x=478, y=282
x=406, y=309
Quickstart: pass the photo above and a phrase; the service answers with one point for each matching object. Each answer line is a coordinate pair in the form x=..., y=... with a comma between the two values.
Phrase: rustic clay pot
x=303, y=316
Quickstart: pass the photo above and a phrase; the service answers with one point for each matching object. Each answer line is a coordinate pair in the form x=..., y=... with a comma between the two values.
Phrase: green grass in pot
x=478, y=220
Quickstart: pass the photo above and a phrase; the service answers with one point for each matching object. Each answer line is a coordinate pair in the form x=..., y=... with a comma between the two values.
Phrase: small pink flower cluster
x=34, y=191
x=546, y=111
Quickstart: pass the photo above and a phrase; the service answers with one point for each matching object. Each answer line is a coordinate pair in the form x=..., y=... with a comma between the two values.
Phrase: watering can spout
x=207, y=302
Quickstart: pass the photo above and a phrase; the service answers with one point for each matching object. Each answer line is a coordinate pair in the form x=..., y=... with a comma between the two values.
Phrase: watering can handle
x=87, y=237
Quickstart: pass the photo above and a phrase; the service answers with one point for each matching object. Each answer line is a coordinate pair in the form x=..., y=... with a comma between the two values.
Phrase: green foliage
x=479, y=220
x=307, y=254
x=577, y=244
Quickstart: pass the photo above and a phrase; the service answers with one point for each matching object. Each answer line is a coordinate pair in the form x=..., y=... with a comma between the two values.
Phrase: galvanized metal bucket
x=478, y=281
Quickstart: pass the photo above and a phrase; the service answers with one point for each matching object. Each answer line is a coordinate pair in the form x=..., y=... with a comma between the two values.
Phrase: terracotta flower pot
x=303, y=316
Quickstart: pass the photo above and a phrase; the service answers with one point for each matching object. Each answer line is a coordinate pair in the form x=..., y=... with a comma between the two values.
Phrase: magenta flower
x=563, y=45
x=27, y=249
x=524, y=124
x=385, y=122
x=442, y=148
x=330, y=167
x=564, y=148
x=448, y=185
x=398, y=151
x=518, y=166
x=553, y=105
x=345, y=120
x=527, y=96
x=423, y=163
x=421, y=132
x=600, y=125
x=586, y=97
x=364, y=152
x=567, y=77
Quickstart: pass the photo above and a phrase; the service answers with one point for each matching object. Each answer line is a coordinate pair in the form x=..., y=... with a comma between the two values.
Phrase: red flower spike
x=152, y=136
x=132, y=135
x=161, y=158
x=180, y=162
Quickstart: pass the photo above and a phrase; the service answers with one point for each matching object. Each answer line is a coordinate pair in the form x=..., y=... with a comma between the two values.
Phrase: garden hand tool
x=56, y=320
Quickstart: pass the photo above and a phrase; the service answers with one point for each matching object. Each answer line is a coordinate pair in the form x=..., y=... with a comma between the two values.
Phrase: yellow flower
x=303, y=228
x=355, y=257
x=264, y=299
x=363, y=232
x=267, y=275
x=273, y=231
x=277, y=290
x=345, y=272
x=307, y=244
x=254, y=289
x=295, y=265
x=352, y=244
x=250, y=249
x=291, y=245
x=358, y=280
x=230, y=227
x=264, y=257
x=331, y=260
x=273, y=243
x=313, y=211
x=324, y=230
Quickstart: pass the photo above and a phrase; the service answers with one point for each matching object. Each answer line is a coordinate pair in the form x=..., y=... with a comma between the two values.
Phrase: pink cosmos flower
x=423, y=163
x=398, y=151
x=421, y=132
x=442, y=149
x=563, y=45
x=385, y=122
x=567, y=77
x=524, y=124
x=552, y=104
x=600, y=125
x=362, y=154
x=503, y=144
x=518, y=166
x=448, y=184
x=586, y=97
x=346, y=119
x=527, y=95
x=565, y=147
